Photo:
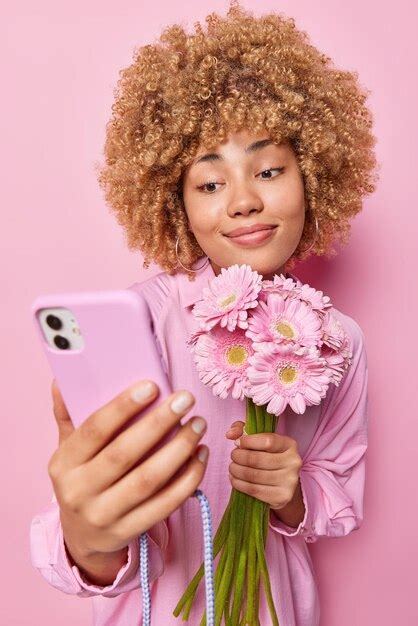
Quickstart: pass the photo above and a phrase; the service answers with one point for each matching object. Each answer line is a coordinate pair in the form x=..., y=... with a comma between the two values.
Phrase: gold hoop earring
x=316, y=234
x=187, y=268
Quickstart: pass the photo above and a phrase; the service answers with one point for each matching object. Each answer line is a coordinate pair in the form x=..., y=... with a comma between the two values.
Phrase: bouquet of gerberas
x=274, y=343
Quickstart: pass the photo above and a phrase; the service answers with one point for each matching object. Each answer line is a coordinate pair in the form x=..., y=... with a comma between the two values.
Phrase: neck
x=269, y=276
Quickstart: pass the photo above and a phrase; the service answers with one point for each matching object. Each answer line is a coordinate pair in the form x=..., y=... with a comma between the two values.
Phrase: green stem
x=260, y=419
x=242, y=565
x=270, y=425
x=265, y=532
x=242, y=504
x=264, y=573
x=266, y=524
x=226, y=575
x=241, y=536
x=251, y=422
x=257, y=584
x=252, y=556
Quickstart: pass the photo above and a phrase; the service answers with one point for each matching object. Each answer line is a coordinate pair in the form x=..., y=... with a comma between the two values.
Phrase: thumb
x=236, y=430
x=63, y=419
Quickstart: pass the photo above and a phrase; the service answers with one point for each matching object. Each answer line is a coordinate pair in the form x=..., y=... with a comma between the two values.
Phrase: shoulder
x=346, y=404
x=352, y=328
x=158, y=291
x=354, y=381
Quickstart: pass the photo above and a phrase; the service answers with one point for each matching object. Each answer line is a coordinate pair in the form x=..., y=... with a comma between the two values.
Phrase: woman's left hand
x=264, y=465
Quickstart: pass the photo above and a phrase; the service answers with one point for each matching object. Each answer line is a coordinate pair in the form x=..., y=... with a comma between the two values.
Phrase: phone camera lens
x=53, y=322
x=61, y=342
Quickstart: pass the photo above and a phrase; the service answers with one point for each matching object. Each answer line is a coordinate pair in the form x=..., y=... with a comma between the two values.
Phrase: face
x=246, y=181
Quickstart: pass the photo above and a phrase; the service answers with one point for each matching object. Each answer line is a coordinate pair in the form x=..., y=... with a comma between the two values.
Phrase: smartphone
x=97, y=344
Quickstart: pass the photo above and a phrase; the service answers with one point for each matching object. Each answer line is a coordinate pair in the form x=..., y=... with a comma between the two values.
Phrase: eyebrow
x=253, y=147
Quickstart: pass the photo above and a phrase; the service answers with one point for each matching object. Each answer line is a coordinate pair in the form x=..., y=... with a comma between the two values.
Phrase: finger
x=135, y=443
x=110, y=466
x=147, y=479
x=62, y=417
x=265, y=493
x=258, y=459
x=104, y=423
x=100, y=427
x=254, y=475
x=269, y=442
x=236, y=429
x=161, y=505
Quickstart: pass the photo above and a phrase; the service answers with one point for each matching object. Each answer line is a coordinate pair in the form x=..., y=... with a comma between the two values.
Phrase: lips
x=251, y=236
x=246, y=230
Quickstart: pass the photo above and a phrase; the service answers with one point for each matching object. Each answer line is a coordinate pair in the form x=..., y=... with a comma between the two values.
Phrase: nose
x=244, y=202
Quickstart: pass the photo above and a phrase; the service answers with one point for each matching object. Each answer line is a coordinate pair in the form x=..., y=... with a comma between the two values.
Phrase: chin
x=269, y=270
x=259, y=266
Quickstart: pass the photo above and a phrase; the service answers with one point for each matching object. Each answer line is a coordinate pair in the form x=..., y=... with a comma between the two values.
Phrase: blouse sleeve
x=332, y=475
x=49, y=556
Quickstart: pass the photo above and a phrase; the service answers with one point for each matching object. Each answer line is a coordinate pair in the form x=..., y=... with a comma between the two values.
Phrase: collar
x=191, y=291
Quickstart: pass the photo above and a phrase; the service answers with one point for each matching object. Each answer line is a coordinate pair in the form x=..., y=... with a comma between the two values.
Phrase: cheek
x=288, y=208
x=204, y=219
x=292, y=199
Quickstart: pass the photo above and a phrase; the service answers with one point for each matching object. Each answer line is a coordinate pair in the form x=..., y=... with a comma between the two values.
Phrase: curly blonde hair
x=244, y=71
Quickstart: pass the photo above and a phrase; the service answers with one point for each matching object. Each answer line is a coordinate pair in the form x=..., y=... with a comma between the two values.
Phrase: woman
x=246, y=126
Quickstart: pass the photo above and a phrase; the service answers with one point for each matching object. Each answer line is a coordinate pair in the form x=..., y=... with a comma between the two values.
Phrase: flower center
x=227, y=301
x=236, y=355
x=285, y=329
x=288, y=374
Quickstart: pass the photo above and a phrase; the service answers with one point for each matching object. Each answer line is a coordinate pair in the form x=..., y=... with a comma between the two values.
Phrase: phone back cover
x=119, y=349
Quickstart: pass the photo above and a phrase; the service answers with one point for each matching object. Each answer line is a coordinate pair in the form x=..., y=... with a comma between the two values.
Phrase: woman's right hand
x=106, y=497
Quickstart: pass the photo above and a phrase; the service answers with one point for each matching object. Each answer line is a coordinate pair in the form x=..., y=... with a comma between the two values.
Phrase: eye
x=201, y=187
x=271, y=169
x=213, y=184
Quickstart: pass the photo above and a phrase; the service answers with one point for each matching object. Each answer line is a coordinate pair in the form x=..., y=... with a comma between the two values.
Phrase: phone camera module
x=53, y=322
x=61, y=342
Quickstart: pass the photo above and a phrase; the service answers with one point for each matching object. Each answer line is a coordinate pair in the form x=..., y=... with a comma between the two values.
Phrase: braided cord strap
x=208, y=564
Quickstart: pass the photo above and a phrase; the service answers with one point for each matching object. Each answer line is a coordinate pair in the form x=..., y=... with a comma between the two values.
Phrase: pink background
x=60, y=64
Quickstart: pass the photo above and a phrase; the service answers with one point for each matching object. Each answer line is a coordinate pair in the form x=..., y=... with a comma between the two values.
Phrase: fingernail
x=142, y=392
x=182, y=402
x=237, y=442
x=203, y=454
x=198, y=425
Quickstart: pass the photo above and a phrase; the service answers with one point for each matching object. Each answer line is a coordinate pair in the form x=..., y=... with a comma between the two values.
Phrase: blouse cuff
x=306, y=528
x=125, y=579
x=50, y=557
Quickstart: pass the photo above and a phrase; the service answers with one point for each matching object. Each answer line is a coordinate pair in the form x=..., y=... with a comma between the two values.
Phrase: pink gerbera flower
x=337, y=362
x=192, y=340
x=315, y=298
x=289, y=288
x=280, y=284
x=284, y=321
x=228, y=297
x=333, y=331
x=221, y=358
x=280, y=375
